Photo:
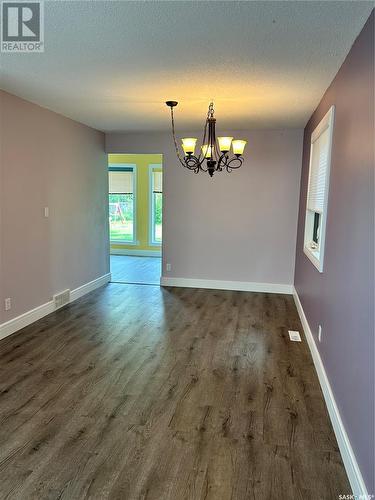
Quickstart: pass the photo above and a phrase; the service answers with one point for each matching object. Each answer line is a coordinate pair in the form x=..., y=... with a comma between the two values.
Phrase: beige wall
x=239, y=226
x=49, y=160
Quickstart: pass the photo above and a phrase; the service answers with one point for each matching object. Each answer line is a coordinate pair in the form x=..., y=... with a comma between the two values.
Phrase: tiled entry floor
x=130, y=269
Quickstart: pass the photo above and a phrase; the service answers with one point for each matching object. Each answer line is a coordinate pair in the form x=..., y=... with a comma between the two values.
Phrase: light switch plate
x=294, y=336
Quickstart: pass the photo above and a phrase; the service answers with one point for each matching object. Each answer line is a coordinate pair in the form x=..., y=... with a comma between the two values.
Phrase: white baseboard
x=351, y=466
x=89, y=287
x=135, y=252
x=39, y=312
x=242, y=286
x=26, y=319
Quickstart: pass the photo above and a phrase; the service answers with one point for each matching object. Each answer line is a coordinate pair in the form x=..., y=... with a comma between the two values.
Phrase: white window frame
x=151, y=240
x=316, y=255
x=119, y=166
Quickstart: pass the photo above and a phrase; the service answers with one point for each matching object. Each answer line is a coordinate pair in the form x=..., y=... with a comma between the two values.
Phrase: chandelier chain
x=174, y=140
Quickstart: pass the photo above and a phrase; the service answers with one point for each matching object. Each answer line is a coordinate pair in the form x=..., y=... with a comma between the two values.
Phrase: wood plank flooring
x=131, y=269
x=137, y=392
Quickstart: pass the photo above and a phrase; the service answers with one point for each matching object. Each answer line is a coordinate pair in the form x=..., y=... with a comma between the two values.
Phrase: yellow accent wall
x=142, y=162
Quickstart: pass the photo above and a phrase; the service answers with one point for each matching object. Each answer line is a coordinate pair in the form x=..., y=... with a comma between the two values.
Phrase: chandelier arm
x=183, y=163
x=191, y=162
x=200, y=164
x=218, y=153
x=223, y=161
x=215, y=153
x=199, y=158
x=204, y=137
x=200, y=161
x=203, y=168
x=234, y=163
x=209, y=149
x=210, y=114
x=211, y=141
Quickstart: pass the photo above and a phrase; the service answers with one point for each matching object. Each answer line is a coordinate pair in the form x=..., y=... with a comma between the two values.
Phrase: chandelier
x=214, y=153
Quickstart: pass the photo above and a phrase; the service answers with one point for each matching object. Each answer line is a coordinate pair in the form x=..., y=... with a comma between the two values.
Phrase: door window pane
x=157, y=206
x=121, y=206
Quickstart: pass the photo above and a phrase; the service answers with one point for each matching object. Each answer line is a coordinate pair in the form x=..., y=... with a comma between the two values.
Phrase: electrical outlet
x=320, y=333
x=8, y=304
x=168, y=267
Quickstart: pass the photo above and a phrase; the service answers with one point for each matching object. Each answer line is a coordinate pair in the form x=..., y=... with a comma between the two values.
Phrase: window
x=122, y=204
x=317, y=194
x=156, y=204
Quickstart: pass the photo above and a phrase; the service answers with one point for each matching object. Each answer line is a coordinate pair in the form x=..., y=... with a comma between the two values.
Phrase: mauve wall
x=49, y=160
x=342, y=298
x=240, y=226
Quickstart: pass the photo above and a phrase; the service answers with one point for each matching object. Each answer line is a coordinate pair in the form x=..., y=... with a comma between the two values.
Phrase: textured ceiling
x=112, y=64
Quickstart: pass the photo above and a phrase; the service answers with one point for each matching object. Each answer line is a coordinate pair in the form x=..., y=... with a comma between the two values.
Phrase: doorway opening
x=135, y=200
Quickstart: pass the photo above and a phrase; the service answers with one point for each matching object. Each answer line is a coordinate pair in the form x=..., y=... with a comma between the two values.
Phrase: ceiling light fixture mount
x=214, y=151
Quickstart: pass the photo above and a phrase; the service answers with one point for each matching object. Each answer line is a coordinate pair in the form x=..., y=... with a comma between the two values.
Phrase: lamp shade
x=238, y=146
x=188, y=144
x=224, y=143
x=207, y=151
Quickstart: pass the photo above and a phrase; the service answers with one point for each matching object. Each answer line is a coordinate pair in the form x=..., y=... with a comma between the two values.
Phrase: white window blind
x=317, y=193
x=121, y=182
x=157, y=182
x=318, y=172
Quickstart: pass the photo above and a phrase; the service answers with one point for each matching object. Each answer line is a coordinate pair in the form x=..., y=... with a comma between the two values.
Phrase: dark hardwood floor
x=138, y=392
